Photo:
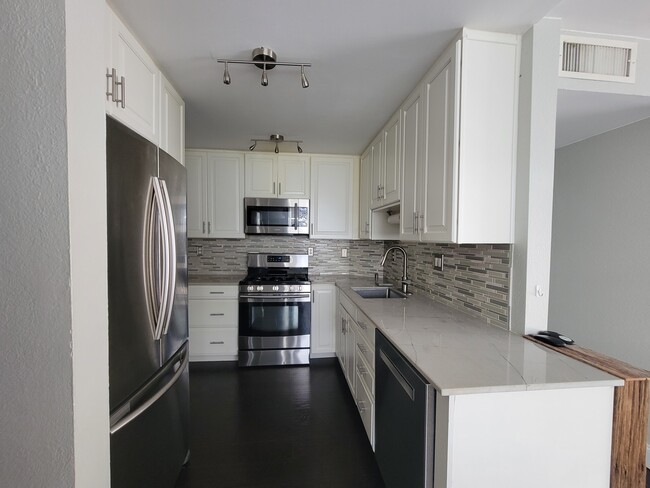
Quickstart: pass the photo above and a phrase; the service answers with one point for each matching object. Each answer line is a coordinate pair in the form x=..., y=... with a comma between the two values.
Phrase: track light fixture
x=265, y=59
x=277, y=139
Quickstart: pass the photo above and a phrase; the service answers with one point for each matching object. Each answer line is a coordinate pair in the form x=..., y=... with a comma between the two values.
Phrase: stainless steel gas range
x=275, y=311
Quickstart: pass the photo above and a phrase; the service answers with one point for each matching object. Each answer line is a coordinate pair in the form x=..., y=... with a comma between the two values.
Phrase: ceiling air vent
x=598, y=59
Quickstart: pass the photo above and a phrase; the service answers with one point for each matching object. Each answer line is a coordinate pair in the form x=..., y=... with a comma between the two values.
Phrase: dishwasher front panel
x=404, y=419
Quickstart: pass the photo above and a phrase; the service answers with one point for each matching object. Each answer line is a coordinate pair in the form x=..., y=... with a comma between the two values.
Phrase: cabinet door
x=437, y=221
x=261, y=175
x=392, y=167
x=293, y=176
x=172, y=121
x=364, y=194
x=410, y=115
x=323, y=310
x=333, y=205
x=376, y=189
x=197, y=200
x=225, y=195
x=141, y=83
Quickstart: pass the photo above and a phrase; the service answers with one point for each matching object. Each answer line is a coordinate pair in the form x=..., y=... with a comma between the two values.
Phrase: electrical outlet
x=438, y=262
x=199, y=250
x=310, y=251
x=344, y=253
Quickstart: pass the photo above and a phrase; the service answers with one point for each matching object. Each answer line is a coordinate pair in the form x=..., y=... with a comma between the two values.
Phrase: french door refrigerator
x=147, y=310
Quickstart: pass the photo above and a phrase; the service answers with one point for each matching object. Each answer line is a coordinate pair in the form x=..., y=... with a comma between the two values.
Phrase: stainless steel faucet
x=405, y=281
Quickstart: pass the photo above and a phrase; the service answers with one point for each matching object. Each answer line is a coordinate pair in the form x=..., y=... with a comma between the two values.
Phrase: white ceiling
x=367, y=55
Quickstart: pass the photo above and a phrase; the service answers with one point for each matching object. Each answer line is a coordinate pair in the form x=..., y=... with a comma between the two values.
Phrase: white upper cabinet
x=391, y=164
x=172, y=121
x=334, y=207
x=277, y=176
x=364, y=194
x=215, y=194
x=458, y=159
x=376, y=179
x=132, y=80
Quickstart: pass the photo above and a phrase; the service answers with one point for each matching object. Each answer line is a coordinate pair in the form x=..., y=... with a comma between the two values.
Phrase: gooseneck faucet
x=405, y=281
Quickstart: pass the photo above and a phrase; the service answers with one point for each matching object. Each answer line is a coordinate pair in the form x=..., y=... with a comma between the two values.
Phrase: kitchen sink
x=378, y=292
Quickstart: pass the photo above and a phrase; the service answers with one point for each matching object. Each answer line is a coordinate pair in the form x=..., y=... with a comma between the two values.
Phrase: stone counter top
x=461, y=354
x=194, y=279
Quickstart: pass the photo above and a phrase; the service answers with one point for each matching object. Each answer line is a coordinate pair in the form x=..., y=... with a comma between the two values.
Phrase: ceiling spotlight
x=226, y=76
x=303, y=78
x=277, y=139
x=265, y=79
x=265, y=59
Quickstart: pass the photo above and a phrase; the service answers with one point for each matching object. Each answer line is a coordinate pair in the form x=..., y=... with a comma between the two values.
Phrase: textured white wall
x=36, y=407
x=600, y=265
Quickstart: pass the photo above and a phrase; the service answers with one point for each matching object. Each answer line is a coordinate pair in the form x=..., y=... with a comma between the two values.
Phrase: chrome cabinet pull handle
x=111, y=90
x=216, y=342
x=122, y=83
x=274, y=187
x=216, y=293
x=312, y=228
x=217, y=315
x=204, y=226
x=279, y=188
x=363, y=325
x=209, y=227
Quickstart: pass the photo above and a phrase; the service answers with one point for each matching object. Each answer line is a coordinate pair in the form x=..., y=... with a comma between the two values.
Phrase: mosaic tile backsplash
x=475, y=278
x=228, y=256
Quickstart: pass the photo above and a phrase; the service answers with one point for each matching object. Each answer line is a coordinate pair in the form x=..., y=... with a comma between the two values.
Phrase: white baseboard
x=647, y=456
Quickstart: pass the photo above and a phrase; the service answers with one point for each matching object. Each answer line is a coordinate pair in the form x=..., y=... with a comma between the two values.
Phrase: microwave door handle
x=295, y=216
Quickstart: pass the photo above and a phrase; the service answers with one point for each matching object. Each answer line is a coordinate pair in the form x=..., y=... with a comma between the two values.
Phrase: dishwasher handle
x=406, y=386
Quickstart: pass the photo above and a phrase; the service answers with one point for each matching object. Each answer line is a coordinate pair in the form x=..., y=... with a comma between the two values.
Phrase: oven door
x=276, y=216
x=274, y=322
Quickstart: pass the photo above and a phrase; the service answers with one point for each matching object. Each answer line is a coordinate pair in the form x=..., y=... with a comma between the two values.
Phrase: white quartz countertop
x=460, y=354
x=205, y=279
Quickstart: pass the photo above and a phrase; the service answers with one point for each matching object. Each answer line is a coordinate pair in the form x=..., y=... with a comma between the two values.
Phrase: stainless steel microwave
x=276, y=216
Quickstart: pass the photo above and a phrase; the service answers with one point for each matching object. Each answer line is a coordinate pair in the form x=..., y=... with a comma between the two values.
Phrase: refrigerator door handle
x=163, y=235
x=124, y=415
x=171, y=257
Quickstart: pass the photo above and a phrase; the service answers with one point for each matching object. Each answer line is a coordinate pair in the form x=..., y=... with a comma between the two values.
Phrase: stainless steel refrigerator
x=147, y=310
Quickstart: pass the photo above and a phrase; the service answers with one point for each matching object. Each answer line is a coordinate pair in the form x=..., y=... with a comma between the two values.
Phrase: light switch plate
x=310, y=251
x=438, y=262
x=344, y=253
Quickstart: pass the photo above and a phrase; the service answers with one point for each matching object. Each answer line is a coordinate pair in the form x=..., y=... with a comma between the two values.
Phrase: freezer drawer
x=149, y=451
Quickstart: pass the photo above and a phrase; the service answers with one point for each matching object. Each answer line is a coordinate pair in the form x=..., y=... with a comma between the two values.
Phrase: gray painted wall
x=600, y=262
x=36, y=424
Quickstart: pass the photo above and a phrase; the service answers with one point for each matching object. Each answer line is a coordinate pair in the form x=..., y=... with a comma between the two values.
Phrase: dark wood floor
x=276, y=427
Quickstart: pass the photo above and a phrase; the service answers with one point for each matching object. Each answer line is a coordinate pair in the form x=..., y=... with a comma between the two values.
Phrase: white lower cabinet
x=356, y=353
x=323, y=312
x=213, y=319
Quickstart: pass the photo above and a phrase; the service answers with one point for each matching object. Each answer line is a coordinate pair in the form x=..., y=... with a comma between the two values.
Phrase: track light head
x=303, y=78
x=277, y=149
x=299, y=148
x=226, y=75
x=252, y=146
x=265, y=78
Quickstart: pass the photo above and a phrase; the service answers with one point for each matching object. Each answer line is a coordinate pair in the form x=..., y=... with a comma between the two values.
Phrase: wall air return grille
x=598, y=59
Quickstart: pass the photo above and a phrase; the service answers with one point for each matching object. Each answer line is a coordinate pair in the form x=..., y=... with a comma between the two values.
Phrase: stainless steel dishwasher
x=404, y=419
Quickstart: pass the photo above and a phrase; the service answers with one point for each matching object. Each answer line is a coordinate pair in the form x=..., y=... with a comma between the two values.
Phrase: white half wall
x=36, y=397
x=600, y=264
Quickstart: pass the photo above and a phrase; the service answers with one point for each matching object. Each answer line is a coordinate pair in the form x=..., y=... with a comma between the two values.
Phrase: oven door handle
x=267, y=299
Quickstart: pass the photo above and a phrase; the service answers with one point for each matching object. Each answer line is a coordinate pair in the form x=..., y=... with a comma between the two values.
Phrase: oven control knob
x=250, y=288
x=260, y=288
x=276, y=287
x=300, y=288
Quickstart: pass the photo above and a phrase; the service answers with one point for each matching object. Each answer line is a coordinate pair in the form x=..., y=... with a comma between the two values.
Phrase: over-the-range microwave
x=285, y=216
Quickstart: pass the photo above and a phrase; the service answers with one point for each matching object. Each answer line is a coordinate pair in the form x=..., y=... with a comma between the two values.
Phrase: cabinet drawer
x=366, y=327
x=366, y=408
x=213, y=313
x=367, y=352
x=366, y=373
x=213, y=292
x=213, y=342
x=348, y=305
